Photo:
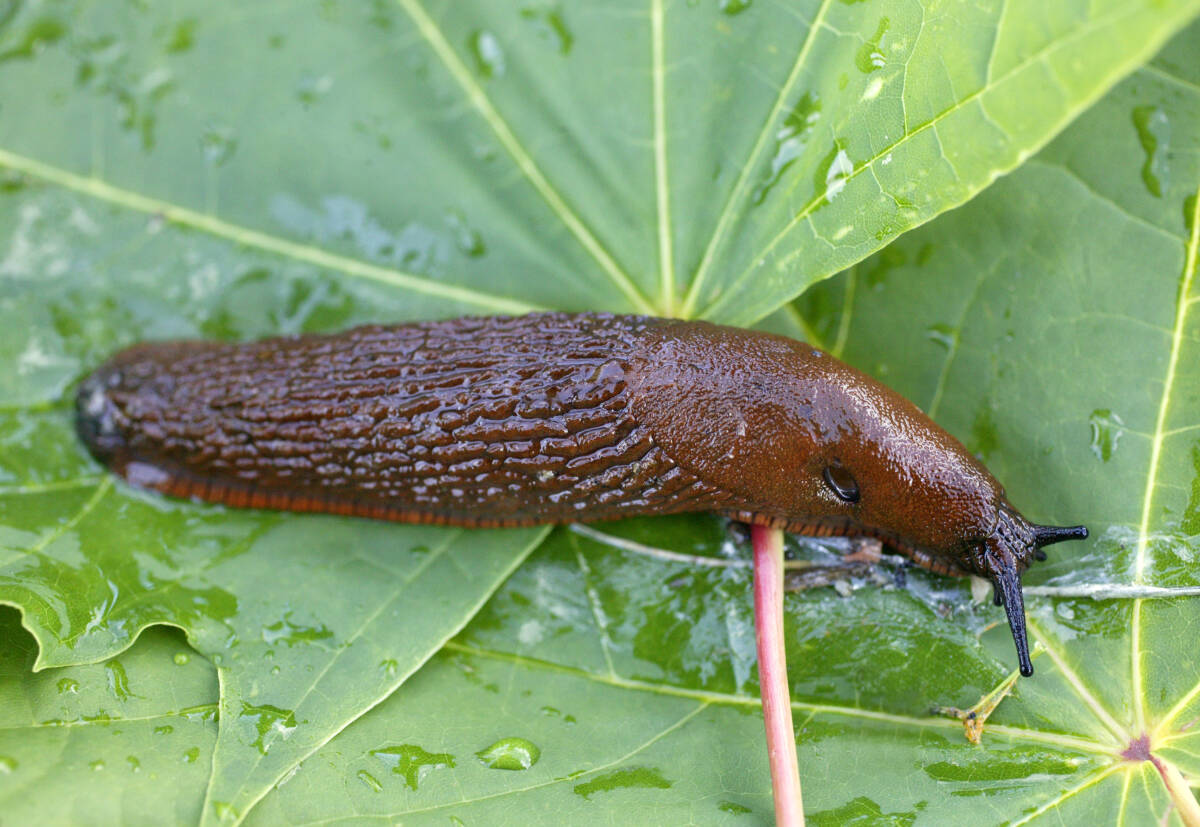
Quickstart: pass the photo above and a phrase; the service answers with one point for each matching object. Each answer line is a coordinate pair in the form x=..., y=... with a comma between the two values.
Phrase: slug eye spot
x=841, y=482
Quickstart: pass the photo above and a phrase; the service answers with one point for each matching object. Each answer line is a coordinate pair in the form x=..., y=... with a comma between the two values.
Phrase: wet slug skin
x=556, y=417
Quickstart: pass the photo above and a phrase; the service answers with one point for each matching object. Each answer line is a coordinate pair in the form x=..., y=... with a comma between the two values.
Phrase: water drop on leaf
x=489, y=57
x=1107, y=429
x=510, y=754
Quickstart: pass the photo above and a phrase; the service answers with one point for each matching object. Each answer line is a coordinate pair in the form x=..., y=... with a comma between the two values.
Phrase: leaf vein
x=726, y=216
x=666, y=264
x=806, y=212
x=1089, y=781
x=1076, y=683
x=1066, y=741
x=476, y=96
x=102, y=190
x=390, y=817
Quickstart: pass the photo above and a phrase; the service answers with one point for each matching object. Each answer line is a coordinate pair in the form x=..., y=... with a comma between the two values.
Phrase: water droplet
x=871, y=93
x=118, y=681
x=138, y=103
x=832, y=173
x=225, y=811
x=269, y=721
x=791, y=138
x=869, y=57
x=1154, y=132
x=287, y=776
x=293, y=633
x=68, y=686
x=732, y=7
x=371, y=781
x=312, y=88
x=550, y=26
x=943, y=334
x=644, y=777
x=182, y=658
x=218, y=143
x=374, y=128
x=7, y=765
x=730, y=806
x=1107, y=429
x=134, y=764
x=191, y=755
x=467, y=239
x=389, y=667
x=97, y=765
x=510, y=754
x=412, y=762
x=201, y=712
x=489, y=57
x=165, y=729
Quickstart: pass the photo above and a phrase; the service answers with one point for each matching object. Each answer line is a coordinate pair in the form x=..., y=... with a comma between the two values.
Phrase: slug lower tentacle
x=555, y=417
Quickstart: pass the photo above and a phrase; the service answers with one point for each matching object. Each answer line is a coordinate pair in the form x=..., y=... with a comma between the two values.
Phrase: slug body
x=555, y=417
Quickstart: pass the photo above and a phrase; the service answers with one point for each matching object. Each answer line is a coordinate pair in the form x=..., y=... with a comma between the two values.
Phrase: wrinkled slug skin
x=535, y=419
x=556, y=417
x=478, y=421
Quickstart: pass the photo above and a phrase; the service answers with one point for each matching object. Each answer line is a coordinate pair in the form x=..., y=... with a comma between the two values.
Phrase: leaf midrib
x=718, y=698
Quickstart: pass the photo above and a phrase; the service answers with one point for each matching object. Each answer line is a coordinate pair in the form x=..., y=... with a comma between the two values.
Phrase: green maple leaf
x=251, y=170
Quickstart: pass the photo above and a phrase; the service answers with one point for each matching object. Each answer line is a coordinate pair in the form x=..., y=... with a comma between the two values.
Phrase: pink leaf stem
x=772, y=674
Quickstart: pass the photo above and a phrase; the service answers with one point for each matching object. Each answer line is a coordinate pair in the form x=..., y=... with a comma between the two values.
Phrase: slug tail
x=1008, y=589
x=95, y=416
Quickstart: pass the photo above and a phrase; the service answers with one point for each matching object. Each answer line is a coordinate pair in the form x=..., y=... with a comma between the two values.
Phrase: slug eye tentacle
x=1046, y=535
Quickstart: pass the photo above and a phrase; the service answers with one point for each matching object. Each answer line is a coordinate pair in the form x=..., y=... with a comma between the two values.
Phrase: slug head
x=792, y=436
x=1010, y=549
x=906, y=481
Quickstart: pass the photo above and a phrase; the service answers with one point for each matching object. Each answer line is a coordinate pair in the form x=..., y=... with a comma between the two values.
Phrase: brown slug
x=556, y=417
